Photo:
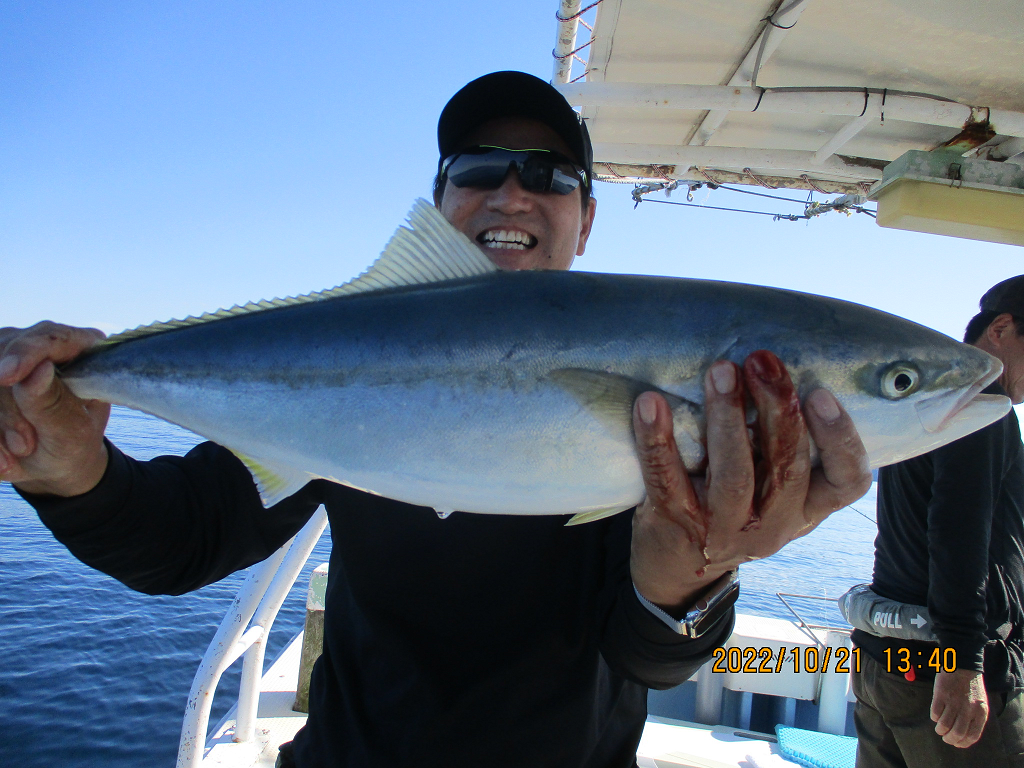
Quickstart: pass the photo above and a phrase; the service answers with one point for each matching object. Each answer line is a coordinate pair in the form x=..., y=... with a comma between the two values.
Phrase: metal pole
x=565, y=40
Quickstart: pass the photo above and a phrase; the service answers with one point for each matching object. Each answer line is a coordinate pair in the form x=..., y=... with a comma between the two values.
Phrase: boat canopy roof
x=806, y=94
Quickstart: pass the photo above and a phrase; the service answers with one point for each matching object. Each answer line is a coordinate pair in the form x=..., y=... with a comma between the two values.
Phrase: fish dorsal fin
x=429, y=250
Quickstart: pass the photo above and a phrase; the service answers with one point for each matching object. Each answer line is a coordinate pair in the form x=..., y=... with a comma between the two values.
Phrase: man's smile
x=514, y=239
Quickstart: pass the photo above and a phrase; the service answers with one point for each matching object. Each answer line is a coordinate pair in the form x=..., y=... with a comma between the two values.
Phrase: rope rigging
x=848, y=204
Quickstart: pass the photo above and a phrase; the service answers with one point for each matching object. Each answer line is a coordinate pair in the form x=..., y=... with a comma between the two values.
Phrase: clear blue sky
x=162, y=159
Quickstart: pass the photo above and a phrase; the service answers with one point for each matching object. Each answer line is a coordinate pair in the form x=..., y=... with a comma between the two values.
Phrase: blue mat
x=816, y=750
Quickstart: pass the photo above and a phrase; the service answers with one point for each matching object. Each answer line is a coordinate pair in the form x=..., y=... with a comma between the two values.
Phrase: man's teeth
x=512, y=239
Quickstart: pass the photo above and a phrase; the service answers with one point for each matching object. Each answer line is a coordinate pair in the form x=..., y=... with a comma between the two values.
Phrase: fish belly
x=446, y=445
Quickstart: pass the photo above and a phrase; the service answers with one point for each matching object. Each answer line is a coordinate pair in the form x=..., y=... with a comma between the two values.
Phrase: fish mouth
x=937, y=414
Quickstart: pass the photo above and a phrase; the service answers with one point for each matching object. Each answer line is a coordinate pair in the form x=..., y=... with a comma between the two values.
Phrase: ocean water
x=93, y=674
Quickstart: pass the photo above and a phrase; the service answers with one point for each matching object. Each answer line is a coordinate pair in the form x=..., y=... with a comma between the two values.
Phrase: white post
x=312, y=634
x=789, y=712
x=835, y=686
x=746, y=709
x=709, y=696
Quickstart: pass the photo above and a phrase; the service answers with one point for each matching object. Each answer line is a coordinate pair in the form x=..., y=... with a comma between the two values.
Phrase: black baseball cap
x=513, y=94
x=1007, y=296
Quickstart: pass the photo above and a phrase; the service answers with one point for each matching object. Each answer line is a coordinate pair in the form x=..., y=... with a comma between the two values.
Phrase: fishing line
x=850, y=506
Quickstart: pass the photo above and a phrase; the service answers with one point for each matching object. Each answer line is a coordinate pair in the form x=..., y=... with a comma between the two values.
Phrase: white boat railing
x=243, y=633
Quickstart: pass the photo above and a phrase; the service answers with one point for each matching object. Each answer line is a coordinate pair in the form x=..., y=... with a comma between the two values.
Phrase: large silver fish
x=437, y=380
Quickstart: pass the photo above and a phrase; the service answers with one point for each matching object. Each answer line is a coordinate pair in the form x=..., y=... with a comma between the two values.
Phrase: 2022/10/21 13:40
x=939, y=660
x=736, y=660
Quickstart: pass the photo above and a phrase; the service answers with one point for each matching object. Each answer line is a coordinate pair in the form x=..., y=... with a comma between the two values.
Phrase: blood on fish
x=764, y=370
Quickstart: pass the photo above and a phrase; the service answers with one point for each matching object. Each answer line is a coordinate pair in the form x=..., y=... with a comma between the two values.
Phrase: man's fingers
x=961, y=731
x=17, y=438
x=951, y=723
x=844, y=475
x=69, y=456
x=959, y=707
x=26, y=357
x=32, y=389
x=972, y=733
x=945, y=719
x=50, y=441
x=45, y=401
x=669, y=528
x=730, y=460
x=668, y=488
x=21, y=353
x=7, y=462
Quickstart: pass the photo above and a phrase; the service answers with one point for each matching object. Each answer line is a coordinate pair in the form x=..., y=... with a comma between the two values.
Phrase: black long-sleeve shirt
x=479, y=639
x=951, y=537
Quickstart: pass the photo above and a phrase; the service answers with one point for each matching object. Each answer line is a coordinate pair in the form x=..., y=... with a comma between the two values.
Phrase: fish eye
x=900, y=380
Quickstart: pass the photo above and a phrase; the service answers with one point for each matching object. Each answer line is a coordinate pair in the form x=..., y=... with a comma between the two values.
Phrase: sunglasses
x=540, y=170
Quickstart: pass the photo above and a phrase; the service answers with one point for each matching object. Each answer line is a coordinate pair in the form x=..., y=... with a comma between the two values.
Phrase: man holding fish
x=498, y=639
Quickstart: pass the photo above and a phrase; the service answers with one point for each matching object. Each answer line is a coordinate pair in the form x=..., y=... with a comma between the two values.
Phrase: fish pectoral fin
x=594, y=515
x=610, y=397
x=273, y=484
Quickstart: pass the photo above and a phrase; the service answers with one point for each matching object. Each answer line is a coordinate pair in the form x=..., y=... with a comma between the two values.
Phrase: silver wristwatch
x=720, y=596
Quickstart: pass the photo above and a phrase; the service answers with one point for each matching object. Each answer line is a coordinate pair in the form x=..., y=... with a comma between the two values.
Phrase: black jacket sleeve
x=960, y=514
x=176, y=523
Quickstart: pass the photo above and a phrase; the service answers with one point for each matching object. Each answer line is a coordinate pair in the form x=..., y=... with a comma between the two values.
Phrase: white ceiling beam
x=1011, y=150
x=636, y=174
x=753, y=60
x=872, y=111
x=913, y=109
x=731, y=158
